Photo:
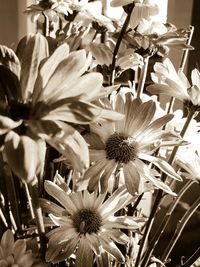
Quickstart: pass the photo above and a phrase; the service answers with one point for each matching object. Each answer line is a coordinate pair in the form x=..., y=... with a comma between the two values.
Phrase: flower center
x=20, y=111
x=121, y=148
x=87, y=221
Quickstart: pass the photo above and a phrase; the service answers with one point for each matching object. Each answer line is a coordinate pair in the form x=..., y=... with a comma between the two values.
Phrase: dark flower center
x=121, y=148
x=20, y=111
x=87, y=221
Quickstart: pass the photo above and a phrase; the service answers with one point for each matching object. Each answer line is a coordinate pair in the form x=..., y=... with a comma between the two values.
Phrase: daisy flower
x=127, y=145
x=86, y=225
x=189, y=161
x=143, y=10
x=48, y=95
x=127, y=58
x=14, y=253
x=170, y=82
x=53, y=9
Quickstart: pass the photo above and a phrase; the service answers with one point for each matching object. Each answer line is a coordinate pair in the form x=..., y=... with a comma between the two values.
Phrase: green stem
x=181, y=225
x=38, y=216
x=118, y=43
x=142, y=78
x=164, y=224
x=160, y=192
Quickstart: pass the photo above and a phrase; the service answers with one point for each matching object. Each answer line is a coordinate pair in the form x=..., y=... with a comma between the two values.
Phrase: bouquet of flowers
x=90, y=157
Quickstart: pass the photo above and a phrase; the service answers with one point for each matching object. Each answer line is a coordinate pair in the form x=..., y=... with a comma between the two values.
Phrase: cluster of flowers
x=79, y=148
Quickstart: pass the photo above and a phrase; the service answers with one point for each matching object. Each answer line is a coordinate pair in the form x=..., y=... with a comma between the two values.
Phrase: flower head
x=126, y=145
x=53, y=9
x=86, y=224
x=14, y=253
x=49, y=94
x=169, y=82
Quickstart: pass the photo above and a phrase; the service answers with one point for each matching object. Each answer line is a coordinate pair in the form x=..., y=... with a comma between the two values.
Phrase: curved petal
x=162, y=165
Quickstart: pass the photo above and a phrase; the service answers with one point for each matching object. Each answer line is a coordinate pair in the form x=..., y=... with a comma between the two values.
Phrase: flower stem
x=164, y=224
x=160, y=193
x=181, y=225
x=192, y=259
x=142, y=78
x=38, y=216
x=119, y=40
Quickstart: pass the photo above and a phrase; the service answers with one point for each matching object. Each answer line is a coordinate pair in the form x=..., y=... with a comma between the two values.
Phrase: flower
x=189, y=161
x=169, y=82
x=142, y=10
x=52, y=94
x=127, y=58
x=14, y=253
x=126, y=145
x=53, y=9
x=86, y=224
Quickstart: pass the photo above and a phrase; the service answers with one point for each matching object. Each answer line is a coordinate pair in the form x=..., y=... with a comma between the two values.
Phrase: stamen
x=121, y=148
x=87, y=221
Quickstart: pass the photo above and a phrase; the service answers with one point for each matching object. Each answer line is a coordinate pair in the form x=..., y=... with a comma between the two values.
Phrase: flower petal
x=36, y=46
x=84, y=254
x=131, y=177
x=61, y=196
x=162, y=165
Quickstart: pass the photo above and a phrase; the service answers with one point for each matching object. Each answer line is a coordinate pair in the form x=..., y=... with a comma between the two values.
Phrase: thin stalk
x=118, y=43
x=142, y=78
x=181, y=225
x=38, y=216
x=164, y=224
x=192, y=259
x=159, y=194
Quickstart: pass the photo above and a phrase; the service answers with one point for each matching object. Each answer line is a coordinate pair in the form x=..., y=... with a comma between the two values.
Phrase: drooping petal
x=34, y=50
x=94, y=243
x=22, y=155
x=111, y=248
x=162, y=165
x=131, y=177
x=84, y=254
